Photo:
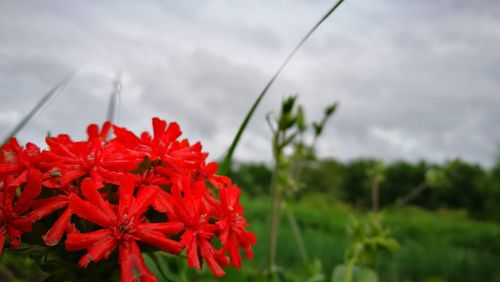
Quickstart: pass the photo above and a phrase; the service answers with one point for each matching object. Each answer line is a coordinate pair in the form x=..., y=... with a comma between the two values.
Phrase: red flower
x=46, y=206
x=188, y=206
x=102, y=161
x=13, y=221
x=16, y=161
x=180, y=156
x=170, y=175
x=232, y=225
x=121, y=226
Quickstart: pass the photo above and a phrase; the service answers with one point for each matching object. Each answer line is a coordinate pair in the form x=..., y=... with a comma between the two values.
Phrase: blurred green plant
x=434, y=178
x=289, y=130
x=365, y=240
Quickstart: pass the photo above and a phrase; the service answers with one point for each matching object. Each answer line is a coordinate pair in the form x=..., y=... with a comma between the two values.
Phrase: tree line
x=455, y=184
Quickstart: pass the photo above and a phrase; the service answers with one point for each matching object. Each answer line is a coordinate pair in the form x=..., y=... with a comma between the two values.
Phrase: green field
x=440, y=246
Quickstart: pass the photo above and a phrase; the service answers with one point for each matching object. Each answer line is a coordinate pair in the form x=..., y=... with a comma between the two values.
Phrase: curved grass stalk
x=225, y=166
x=46, y=99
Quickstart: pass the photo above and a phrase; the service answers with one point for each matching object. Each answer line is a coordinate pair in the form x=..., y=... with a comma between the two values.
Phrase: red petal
x=163, y=227
x=44, y=207
x=126, y=194
x=158, y=128
x=162, y=203
x=80, y=241
x=68, y=175
x=90, y=212
x=23, y=224
x=189, y=239
x=92, y=131
x=2, y=242
x=89, y=189
x=126, y=265
x=173, y=131
x=100, y=250
x=234, y=252
x=143, y=272
x=144, y=199
x=159, y=240
x=207, y=252
x=14, y=235
x=7, y=169
x=56, y=232
x=30, y=192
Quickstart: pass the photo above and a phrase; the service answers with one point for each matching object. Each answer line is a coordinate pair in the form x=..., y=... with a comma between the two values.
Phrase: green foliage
x=452, y=185
x=253, y=178
x=359, y=274
x=432, y=245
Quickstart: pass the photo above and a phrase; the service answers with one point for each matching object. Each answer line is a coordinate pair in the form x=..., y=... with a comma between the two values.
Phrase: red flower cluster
x=157, y=190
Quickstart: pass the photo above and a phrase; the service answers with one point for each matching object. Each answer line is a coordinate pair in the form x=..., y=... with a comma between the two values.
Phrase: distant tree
x=357, y=182
x=325, y=176
x=253, y=178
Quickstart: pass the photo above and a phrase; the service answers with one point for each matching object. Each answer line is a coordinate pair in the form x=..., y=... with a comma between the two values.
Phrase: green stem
x=298, y=236
x=275, y=201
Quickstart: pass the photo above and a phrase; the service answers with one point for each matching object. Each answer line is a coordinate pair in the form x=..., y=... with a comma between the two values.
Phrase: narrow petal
x=189, y=240
x=145, y=275
x=100, y=250
x=234, y=253
x=56, y=232
x=80, y=241
x=2, y=242
x=7, y=169
x=68, y=175
x=159, y=240
x=158, y=128
x=145, y=197
x=208, y=252
x=126, y=194
x=89, y=189
x=14, y=235
x=23, y=224
x=30, y=192
x=47, y=206
x=126, y=265
x=172, y=133
x=162, y=203
x=90, y=212
x=162, y=227
x=60, y=201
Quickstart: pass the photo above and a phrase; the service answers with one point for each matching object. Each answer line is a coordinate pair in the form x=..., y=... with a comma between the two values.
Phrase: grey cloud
x=415, y=79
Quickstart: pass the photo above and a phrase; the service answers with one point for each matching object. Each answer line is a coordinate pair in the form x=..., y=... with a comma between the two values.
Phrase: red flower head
x=13, y=219
x=122, y=226
x=233, y=225
x=16, y=161
x=102, y=161
x=188, y=201
x=109, y=184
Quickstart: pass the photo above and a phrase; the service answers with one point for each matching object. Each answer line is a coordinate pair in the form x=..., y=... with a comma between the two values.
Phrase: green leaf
x=331, y=109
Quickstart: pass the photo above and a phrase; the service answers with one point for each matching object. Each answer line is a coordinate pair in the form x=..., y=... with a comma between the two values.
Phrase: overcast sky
x=415, y=79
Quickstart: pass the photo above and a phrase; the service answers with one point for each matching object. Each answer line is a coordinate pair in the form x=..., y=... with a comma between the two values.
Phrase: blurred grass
x=443, y=246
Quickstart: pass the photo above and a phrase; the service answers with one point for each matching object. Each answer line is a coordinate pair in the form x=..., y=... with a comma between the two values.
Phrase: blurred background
x=416, y=81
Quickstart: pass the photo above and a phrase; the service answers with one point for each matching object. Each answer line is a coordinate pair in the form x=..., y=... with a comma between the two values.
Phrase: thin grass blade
x=46, y=100
x=225, y=166
x=114, y=103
